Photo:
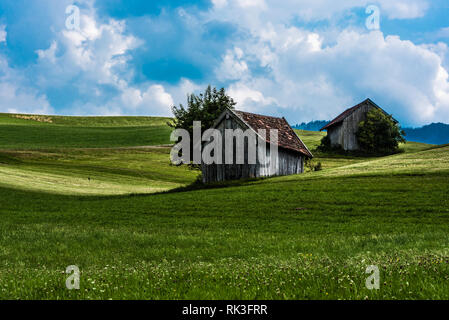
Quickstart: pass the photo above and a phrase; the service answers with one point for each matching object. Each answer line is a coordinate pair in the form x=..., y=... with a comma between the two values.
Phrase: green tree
x=205, y=107
x=379, y=133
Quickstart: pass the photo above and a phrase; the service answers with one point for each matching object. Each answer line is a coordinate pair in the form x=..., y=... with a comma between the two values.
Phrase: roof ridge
x=258, y=114
x=348, y=112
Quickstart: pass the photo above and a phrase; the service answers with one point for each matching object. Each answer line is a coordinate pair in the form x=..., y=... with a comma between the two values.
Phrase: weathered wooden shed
x=342, y=130
x=291, y=150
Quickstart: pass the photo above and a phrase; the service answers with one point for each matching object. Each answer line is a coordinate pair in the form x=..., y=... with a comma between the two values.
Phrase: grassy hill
x=37, y=132
x=308, y=236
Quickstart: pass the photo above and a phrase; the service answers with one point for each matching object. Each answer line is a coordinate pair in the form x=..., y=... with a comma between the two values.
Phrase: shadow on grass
x=198, y=185
x=355, y=154
x=438, y=146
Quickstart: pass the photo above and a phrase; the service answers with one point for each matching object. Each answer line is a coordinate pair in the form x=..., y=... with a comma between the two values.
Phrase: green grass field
x=86, y=192
x=81, y=132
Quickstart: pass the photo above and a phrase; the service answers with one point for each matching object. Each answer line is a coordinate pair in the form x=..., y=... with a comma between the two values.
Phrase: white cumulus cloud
x=97, y=56
x=310, y=75
x=3, y=33
x=232, y=66
x=16, y=96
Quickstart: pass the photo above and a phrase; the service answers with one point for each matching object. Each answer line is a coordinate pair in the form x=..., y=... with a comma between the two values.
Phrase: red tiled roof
x=287, y=138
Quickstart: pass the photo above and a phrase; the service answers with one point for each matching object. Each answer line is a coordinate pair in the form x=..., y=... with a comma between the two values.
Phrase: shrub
x=325, y=144
x=310, y=164
x=379, y=133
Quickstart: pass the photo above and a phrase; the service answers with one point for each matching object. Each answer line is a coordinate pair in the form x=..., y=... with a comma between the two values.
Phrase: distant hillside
x=311, y=126
x=435, y=133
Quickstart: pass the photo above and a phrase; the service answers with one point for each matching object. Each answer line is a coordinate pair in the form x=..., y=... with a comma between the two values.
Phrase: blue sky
x=302, y=59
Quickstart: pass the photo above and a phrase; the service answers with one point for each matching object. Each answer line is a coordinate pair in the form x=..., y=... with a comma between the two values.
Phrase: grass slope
x=81, y=132
x=93, y=171
x=307, y=236
x=312, y=140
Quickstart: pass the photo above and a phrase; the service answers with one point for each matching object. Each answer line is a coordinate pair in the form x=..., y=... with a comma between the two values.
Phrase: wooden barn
x=291, y=150
x=342, y=130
